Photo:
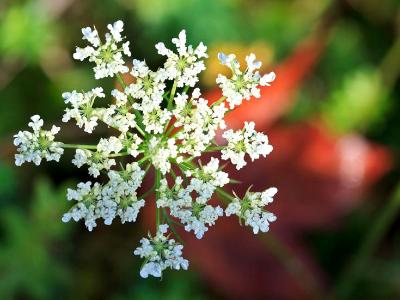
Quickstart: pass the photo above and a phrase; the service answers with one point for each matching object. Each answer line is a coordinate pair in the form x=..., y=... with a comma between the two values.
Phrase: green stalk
x=171, y=97
x=353, y=272
x=171, y=226
x=131, y=101
x=77, y=146
x=218, y=101
x=157, y=186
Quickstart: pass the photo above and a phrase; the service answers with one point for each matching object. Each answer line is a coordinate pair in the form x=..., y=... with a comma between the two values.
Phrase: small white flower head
x=149, y=86
x=131, y=142
x=155, y=118
x=251, y=209
x=160, y=252
x=110, y=145
x=161, y=152
x=86, y=197
x=37, y=145
x=242, y=85
x=121, y=190
x=107, y=56
x=199, y=121
x=81, y=109
x=119, y=115
x=96, y=161
x=185, y=66
x=245, y=141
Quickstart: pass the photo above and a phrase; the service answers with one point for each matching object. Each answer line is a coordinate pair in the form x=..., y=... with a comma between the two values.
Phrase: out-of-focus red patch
x=319, y=176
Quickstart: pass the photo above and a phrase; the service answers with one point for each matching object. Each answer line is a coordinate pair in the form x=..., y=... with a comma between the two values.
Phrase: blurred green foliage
x=32, y=245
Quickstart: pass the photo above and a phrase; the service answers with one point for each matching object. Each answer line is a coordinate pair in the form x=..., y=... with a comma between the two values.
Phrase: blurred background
x=333, y=116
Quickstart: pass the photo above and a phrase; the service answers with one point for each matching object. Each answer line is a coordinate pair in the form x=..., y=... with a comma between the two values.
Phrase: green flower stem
x=220, y=100
x=172, y=95
x=171, y=226
x=157, y=186
x=77, y=146
x=170, y=128
x=293, y=264
x=131, y=101
x=144, y=195
x=352, y=273
x=140, y=130
x=143, y=159
x=216, y=148
x=224, y=194
x=118, y=154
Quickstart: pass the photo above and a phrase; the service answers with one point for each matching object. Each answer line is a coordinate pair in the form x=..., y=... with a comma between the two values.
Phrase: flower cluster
x=242, y=85
x=160, y=127
x=245, y=141
x=116, y=198
x=250, y=209
x=36, y=145
x=108, y=57
x=160, y=253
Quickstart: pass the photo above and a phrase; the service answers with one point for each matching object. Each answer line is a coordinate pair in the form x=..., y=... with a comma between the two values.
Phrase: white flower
x=155, y=119
x=119, y=115
x=185, y=66
x=161, y=153
x=110, y=145
x=82, y=108
x=131, y=142
x=200, y=122
x=116, y=29
x=108, y=56
x=242, y=85
x=195, y=214
x=160, y=253
x=245, y=141
x=251, y=209
x=149, y=86
x=162, y=130
x=85, y=208
x=36, y=145
x=121, y=190
x=96, y=161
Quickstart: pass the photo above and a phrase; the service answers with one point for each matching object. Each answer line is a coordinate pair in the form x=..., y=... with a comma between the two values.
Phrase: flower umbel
x=160, y=126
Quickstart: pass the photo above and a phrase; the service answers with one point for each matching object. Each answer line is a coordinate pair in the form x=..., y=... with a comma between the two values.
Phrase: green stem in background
x=76, y=146
x=144, y=195
x=140, y=130
x=285, y=256
x=216, y=148
x=143, y=159
x=171, y=97
x=293, y=264
x=131, y=101
x=379, y=228
x=390, y=65
x=171, y=226
x=118, y=154
x=224, y=194
x=218, y=101
x=157, y=187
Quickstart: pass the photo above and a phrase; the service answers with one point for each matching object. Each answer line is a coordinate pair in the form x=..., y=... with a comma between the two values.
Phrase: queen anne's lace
x=242, y=85
x=161, y=126
x=250, y=209
x=160, y=253
x=108, y=56
x=36, y=145
x=245, y=141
